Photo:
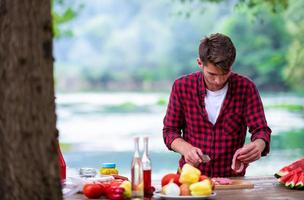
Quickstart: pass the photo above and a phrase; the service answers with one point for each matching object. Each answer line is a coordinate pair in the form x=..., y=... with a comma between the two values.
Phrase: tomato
x=110, y=184
x=92, y=190
x=170, y=177
x=203, y=177
x=116, y=183
x=106, y=187
x=115, y=193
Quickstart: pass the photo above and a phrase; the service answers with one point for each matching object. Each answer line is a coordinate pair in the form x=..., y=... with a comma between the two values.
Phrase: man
x=209, y=112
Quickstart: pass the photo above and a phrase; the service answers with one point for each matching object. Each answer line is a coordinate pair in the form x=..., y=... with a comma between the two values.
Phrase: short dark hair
x=217, y=49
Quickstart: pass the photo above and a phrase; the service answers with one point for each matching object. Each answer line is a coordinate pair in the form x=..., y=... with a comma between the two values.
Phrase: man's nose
x=217, y=80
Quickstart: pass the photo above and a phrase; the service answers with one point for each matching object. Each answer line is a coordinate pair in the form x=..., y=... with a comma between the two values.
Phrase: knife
x=205, y=158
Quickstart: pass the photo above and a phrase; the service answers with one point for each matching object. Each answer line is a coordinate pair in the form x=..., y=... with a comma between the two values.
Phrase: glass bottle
x=136, y=172
x=147, y=168
x=62, y=165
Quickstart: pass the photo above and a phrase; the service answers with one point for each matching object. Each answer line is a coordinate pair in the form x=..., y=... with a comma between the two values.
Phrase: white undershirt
x=214, y=101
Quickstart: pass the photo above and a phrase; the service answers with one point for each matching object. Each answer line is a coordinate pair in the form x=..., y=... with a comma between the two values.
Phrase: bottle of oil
x=147, y=168
x=137, y=172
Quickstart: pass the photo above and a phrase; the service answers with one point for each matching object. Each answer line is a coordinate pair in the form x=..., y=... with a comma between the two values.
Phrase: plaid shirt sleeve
x=174, y=119
x=255, y=118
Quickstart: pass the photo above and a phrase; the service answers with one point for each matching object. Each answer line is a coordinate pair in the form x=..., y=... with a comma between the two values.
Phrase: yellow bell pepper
x=127, y=186
x=189, y=174
x=201, y=188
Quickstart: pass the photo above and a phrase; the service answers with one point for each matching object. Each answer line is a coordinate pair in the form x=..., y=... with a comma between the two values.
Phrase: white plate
x=163, y=196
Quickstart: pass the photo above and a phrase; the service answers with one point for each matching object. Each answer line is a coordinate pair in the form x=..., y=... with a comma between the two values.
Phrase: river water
x=99, y=127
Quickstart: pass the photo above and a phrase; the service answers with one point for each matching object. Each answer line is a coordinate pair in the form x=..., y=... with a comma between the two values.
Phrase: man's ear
x=200, y=63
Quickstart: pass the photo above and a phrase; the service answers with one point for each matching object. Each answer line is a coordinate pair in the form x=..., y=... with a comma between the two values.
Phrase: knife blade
x=205, y=158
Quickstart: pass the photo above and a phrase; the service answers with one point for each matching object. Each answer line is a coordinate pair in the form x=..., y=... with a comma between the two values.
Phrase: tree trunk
x=28, y=157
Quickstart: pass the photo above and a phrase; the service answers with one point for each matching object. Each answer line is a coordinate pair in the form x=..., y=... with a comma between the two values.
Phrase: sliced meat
x=237, y=165
x=221, y=181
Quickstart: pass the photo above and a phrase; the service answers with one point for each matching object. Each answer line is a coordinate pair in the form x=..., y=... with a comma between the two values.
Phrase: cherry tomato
x=92, y=190
x=170, y=177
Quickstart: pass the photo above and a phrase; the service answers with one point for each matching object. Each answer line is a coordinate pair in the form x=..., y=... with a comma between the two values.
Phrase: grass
x=127, y=107
x=289, y=107
x=292, y=139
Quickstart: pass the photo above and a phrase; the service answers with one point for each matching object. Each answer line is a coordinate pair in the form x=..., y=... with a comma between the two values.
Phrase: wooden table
x=266, y=187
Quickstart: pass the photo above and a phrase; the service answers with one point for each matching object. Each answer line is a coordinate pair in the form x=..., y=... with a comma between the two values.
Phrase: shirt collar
x=202, y=87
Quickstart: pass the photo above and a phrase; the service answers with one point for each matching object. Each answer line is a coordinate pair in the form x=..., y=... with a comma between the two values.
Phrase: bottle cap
x=108, y=165
x=87, y=172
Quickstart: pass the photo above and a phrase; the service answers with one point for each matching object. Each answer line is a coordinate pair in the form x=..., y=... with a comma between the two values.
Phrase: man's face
x=215, y=78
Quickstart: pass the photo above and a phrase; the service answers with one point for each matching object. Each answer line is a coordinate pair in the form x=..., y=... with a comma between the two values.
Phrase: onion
x=171, y=189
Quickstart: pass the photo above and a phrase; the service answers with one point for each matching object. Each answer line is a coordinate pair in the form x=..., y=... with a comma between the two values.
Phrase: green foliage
x=263, y=40
x=294, y=72
x=250, y=6
x=127, y=107
x=137, y=49
x=292, y=139
x=65, y=147
x=162, y=102
x=289, y=107
x=63, y=14
x=253, y=6
x=261, y=45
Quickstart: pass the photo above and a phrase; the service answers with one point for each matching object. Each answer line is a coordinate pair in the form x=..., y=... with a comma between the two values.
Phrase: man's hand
x=252, y=151
x=191, y=154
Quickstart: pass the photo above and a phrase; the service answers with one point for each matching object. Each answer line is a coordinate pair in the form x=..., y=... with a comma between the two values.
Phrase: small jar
x=108, y=169
x=87, y=172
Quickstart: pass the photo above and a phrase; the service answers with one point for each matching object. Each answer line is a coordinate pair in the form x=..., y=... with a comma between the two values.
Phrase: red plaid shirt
x=187, y=118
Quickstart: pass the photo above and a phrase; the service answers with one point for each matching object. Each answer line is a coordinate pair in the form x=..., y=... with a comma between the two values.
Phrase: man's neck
x=208, y=87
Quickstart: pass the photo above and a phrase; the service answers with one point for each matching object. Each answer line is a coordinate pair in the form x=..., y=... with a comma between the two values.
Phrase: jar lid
x=87, y=172
x=108, y=165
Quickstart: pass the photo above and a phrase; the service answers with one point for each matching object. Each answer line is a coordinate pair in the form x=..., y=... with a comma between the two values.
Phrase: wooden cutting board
x=236, y=184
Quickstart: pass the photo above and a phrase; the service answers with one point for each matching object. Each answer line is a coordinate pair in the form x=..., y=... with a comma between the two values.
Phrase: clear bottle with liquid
x=147, y=168
x=137, y=172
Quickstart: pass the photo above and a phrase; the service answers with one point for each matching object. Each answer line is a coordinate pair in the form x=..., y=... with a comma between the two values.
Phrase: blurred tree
x=268, y=54
x=144, y=44
x=28, y=136
x=261, y=47
x=294, y=72
x=253, y=6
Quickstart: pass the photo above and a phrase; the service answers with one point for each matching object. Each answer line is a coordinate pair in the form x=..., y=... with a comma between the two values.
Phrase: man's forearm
x=180, y=145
